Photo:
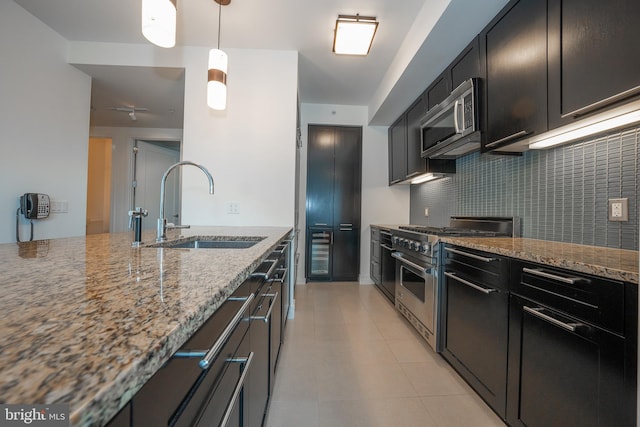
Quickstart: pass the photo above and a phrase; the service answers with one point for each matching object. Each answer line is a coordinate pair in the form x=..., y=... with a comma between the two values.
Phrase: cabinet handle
x=331, y=238
x=485, y=291
x=508, y=138
x=537, y=312
x=209, y=355
x=470, y=255
x=267, y=275
x=602, y=103
x=320, y=224
x=246, y=361
x=284, y=272
x=400, y=258
x=456, y=125
x=267, y=316
x=542, y=273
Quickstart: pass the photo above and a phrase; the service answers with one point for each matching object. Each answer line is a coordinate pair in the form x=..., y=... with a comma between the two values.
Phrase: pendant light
x=217, y=80
x=159, y=22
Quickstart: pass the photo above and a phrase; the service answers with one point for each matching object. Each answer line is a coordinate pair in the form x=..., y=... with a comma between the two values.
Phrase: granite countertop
x=87, y=321
x=611, y=263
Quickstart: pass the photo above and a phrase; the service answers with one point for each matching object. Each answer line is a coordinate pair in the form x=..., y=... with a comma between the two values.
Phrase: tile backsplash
x=560, y=194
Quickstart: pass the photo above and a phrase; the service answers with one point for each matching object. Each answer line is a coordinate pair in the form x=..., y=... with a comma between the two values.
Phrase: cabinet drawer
x=476, y=266
x=180, y=390
x=593, y=299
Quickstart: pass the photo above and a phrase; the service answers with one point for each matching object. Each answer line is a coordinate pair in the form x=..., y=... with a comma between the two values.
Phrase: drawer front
x=593, y=299
x=483, y=268
x=178, y=392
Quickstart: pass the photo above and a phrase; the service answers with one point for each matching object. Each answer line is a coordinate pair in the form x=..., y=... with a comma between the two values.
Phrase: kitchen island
x=88, y=320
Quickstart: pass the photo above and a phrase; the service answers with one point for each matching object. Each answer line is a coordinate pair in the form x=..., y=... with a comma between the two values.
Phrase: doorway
x=99, y=186
x=151, y=159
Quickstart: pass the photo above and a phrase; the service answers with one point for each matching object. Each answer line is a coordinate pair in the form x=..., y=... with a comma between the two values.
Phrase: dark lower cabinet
x=183, y=394
x=345, y=254
x=475, y=327
x=572, y=350
x=122, y=419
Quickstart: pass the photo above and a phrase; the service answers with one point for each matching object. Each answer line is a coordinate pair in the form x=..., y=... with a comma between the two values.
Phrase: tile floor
x=350, y=359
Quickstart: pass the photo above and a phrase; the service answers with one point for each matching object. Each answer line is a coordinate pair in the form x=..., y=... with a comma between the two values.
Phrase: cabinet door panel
x=467, y=65
x=476, y=335
x=415, y=163
x=345, y=254
x=320, y=176
x=347, y=176
x=516, y=89
x=398, y=150
x=438, y=91
x=593, y=53
x=563, y=378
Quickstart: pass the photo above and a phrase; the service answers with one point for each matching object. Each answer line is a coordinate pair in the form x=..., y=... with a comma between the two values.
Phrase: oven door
x=416, y=283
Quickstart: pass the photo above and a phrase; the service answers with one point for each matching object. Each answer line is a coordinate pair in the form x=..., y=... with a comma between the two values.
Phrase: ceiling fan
x=131, y=110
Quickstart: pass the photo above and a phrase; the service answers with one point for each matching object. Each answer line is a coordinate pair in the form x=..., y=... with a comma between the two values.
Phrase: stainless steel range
x=419, y=275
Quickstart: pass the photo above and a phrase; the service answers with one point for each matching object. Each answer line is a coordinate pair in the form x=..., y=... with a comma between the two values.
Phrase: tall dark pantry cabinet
x=334, y=182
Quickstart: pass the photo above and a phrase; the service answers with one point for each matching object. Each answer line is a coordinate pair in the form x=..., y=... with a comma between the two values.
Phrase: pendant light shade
x=159, y=22
x=217, y=84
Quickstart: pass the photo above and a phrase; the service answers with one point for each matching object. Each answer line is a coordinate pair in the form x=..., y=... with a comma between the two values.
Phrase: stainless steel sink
x=210, y=242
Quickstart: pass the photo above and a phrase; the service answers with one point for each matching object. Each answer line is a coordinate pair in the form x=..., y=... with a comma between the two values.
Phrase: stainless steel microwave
x=452, y=128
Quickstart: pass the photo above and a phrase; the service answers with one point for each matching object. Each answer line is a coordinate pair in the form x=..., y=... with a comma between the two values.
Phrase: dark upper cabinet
x=467, y=65
x=515, y=43
x=334, y=176
x=320, y=176
x=398, y=150
x=438, y=90
x=347, y=176
x=405, y=147
x=594, y=58
x=415, y=163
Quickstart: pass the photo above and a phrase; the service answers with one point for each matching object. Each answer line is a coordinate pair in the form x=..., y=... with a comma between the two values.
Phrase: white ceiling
x=302, y=25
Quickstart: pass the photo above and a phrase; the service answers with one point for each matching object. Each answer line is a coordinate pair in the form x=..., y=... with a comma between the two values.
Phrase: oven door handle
x=400, y=258
x=485, y=291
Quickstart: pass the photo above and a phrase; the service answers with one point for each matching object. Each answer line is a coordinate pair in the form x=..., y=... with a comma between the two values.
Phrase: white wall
x=381, y=204
x=44, y=125
x=123, y=139
x=248, y=148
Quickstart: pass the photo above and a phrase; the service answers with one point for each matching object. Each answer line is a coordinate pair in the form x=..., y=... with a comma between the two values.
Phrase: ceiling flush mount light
x=616, y=118
x=354, y=34
x=218, y=62
x=159, y=22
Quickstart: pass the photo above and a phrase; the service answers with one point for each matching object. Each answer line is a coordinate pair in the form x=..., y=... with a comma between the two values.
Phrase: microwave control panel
x=468, y=111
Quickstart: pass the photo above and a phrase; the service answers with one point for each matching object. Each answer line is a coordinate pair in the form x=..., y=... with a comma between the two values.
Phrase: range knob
x=413, y=245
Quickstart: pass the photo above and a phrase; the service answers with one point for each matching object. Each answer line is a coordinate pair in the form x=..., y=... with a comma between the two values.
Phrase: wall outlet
x=426, y=212
x=618, y=209
x=233, y=208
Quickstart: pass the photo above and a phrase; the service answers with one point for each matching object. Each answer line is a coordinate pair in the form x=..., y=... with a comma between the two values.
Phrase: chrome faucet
x=162, y=221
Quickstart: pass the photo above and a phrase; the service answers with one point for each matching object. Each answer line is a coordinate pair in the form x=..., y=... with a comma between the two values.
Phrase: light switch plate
x=618, y=209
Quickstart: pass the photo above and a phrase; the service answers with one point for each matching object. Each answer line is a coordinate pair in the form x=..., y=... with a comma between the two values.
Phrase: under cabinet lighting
x=425, y=178
x=354, y=35
x=159, y=22
x=616, y=118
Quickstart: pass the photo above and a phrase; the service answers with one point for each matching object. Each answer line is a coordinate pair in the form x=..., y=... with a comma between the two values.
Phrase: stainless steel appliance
x=419, y=275
x=452, y=128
